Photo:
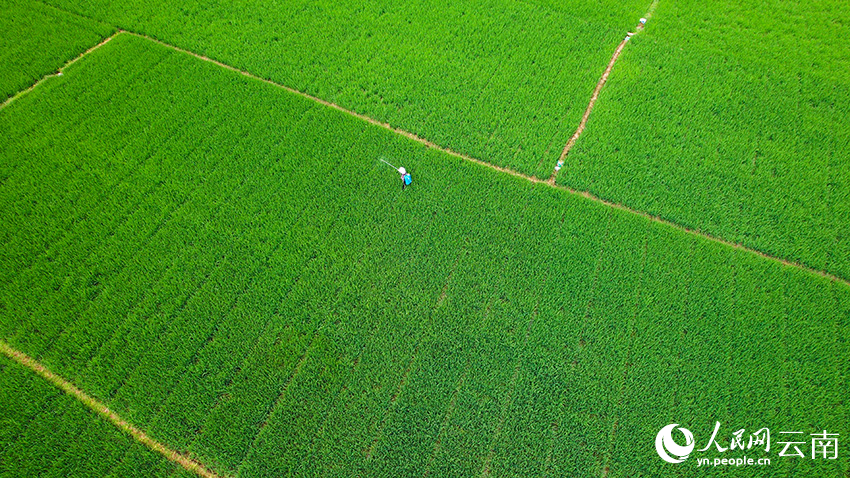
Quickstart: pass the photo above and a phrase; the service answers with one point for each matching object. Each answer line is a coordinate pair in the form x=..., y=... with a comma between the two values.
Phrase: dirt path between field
x=93, y=404
x=590, y=106
x=602, y=80
x=198, y=468
x=59, y=71
x=533, y=179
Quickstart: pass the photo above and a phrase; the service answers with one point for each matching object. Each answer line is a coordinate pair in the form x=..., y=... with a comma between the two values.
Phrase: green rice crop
x=731, y=118
x=504, y=81
x=38, y=39
x=46, y=433
x=229, y=267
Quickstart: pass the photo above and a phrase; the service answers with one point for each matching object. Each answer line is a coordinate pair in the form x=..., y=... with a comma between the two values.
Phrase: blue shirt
x=407, y=179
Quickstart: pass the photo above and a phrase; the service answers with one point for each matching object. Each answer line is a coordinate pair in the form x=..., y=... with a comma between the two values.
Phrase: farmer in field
x=405, y=178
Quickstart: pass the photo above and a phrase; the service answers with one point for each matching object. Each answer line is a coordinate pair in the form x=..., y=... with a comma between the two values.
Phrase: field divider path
x=602, y=80
x=550, y=182
x=60, y=70
x=533, y=179
x=96, y=406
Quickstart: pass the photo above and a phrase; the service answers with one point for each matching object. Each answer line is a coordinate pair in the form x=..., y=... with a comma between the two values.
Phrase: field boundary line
x=532, y=179
x=60, y=70
x=96, y=406
x=602, y=80
x=595, y=96
x=335, y=106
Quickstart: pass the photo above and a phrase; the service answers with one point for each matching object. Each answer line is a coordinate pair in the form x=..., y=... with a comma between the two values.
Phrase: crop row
x=229, y=267
x=38, y=39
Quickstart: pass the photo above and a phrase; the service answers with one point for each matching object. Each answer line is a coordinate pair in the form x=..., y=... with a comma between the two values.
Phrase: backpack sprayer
x=405, y=176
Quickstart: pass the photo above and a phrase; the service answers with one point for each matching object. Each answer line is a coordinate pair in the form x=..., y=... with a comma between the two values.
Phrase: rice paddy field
x=206, y=269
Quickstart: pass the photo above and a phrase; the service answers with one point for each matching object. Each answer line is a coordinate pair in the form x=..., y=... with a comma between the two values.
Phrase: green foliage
x=504, y=81
x=732, y=119
x=230, y=267
x=44, y=432
x=37, y=39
